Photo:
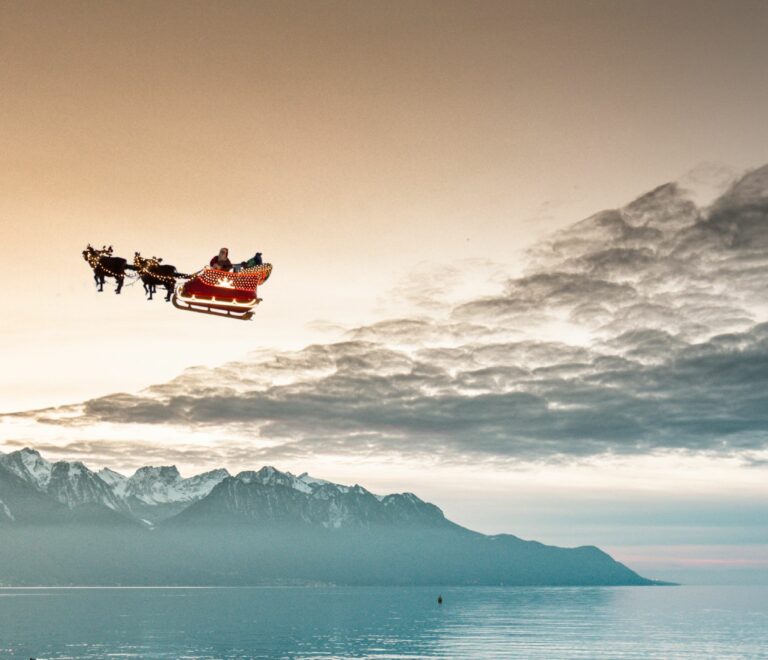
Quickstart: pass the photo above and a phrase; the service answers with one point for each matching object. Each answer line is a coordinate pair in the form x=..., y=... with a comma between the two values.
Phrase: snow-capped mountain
x=151, y=494
x=116, y=481
x=71, y=484
x=23, y=503
x=154, y=494
x=74, y=485
x=28, y=465
x=269, y=496
x=164, y=485
x=153, y=485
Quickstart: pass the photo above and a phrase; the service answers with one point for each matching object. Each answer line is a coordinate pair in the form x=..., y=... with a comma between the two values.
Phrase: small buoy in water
x=439, y=600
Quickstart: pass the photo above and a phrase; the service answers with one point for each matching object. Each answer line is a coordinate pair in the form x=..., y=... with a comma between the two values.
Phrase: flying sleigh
x=219, y=292
x=222, y=292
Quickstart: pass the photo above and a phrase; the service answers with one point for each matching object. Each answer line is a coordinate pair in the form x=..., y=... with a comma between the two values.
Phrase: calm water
x=660, y=622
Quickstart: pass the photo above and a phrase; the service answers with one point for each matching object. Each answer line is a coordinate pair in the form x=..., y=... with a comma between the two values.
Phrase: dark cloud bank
x=659, y=308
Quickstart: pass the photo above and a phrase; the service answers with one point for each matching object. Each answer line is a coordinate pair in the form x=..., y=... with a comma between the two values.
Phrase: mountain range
x=62, y=523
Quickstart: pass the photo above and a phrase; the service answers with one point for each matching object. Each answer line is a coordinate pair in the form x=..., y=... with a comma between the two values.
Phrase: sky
x=451, y=312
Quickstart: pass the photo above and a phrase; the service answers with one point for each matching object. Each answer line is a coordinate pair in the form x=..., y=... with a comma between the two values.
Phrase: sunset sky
x=436, y=321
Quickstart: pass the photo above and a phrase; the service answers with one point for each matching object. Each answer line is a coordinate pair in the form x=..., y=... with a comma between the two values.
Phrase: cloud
x=634, y=331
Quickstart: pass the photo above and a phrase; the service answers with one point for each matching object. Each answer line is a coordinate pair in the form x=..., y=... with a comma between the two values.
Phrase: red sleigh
x=221, y=292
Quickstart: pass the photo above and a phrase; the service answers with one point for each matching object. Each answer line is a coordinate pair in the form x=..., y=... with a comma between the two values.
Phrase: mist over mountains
x=62, y=523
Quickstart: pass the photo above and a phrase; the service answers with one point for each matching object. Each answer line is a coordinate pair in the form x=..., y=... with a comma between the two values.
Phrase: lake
x=385, y=622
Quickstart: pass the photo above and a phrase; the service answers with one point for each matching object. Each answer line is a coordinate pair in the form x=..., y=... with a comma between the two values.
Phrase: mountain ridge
x=256, y=527
x=163, y=489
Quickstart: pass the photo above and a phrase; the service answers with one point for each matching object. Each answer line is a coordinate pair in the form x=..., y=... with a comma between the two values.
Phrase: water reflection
x=683, y=622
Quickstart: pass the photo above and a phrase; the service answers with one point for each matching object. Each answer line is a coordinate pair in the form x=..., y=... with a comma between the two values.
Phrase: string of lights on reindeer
x=247, y=278
x=148, y=267
x=94, y=256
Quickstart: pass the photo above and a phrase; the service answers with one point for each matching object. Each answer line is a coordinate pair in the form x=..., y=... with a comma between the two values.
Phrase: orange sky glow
x=365, y=148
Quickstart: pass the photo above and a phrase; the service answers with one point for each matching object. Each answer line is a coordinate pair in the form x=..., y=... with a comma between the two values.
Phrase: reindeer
x=105, y=265
x=154, y=273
